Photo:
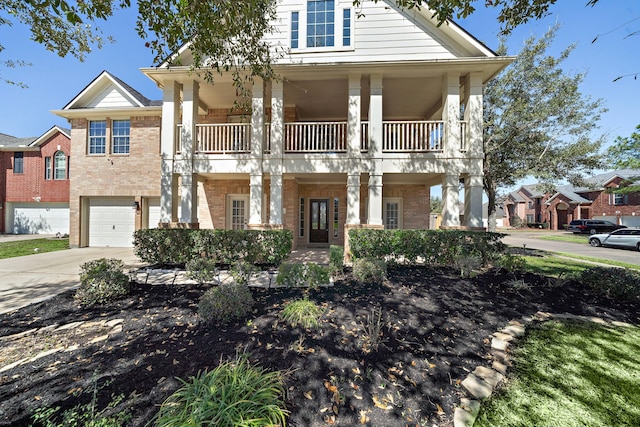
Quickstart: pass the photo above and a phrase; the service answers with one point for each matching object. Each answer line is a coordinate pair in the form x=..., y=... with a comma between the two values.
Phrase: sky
x=53, y=81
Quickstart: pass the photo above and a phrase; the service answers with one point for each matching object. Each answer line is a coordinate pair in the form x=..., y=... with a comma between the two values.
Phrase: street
x=532, y=241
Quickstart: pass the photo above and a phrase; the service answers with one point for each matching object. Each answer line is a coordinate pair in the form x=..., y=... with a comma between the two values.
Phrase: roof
x=12, y=141
x=533, y=190
x=516, y=197
x=500, y=213
x=603, y=179
x=570, y=193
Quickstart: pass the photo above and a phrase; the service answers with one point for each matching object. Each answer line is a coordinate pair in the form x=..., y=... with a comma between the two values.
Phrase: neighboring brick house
x=34, y=183
x=594, y=201
x=364, y=119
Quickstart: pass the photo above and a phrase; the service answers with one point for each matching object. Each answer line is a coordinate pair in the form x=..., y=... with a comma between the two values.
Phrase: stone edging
x=115, y=326
x=481, y=383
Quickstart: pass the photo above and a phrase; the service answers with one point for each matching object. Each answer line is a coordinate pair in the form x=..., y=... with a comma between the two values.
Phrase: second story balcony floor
x=424, y=136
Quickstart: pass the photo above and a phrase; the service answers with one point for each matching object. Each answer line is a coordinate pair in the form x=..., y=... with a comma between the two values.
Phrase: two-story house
x=34, y=183
x=368, y=113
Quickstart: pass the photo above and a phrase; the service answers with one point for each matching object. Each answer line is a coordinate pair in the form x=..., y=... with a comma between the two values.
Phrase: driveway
x=532, y=241
x=32, y=278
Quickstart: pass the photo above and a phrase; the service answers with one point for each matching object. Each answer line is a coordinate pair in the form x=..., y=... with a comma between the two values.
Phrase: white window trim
x=338, y=44
x=229, y=209
x=397, y=200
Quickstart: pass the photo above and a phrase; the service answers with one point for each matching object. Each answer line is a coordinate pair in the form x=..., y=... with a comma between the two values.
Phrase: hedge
x=434, y=247
x=179, y=246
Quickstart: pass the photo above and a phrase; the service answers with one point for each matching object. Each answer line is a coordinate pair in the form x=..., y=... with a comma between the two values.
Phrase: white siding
x=111, y=97
x=382, y=34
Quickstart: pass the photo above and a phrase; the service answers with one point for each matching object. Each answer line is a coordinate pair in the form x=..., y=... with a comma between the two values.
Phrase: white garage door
x=111, y=222
x=40, y=218
x=154, y=213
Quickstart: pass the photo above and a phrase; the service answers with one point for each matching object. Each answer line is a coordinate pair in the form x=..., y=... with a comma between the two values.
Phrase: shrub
x=292, y=275
x=225, y=303
x=202, y=270
x=336, y=259
x=618, y=283
x=102, y=281
x=513, y=264
x=303, y=312
x=242, y=271
x=233, y=394
x=178, y=246
x=369, y=270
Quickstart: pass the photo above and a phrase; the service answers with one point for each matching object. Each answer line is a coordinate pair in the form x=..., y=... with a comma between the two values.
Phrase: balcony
x=323, y=137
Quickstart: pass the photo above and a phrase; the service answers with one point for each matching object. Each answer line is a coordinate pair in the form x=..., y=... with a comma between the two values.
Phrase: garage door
x=154, y=213
x=111, y=222
x=40, y=218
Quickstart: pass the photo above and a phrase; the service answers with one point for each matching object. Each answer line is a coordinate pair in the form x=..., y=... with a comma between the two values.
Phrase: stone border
x=115, y=326
x=481, y=383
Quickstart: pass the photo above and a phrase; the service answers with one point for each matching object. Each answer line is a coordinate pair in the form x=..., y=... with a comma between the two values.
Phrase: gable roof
x=108, y=91
x=49, y=134
x=533, y=190
x=570, y=193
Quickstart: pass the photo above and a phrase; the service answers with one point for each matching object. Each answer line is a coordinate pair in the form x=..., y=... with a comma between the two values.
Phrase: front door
x=319, y=221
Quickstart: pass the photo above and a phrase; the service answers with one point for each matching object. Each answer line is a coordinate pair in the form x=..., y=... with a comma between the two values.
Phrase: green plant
x=242, y=271
x=618, y=283
x=372, y=331
x=316, y=275
x=369, y=270
x=87, y=415
x=202, y=270
x=514, y=264
x=303, y=312
x=336, y=259
x=468, y=264
x=102, y=281
x=225, y=303
x=235, y=393
x=293, y=275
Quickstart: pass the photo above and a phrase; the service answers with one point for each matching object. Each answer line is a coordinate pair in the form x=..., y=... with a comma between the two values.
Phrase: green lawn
x=565, y=237
x=30, y=247
x=570, y=374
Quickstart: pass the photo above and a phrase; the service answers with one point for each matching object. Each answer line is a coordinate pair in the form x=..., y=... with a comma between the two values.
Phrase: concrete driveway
x=32, y=278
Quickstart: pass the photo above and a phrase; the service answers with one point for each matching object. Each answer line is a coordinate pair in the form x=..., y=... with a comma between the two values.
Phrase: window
x=320, y=23
x=97, y=137
x=346, y=27
x=18, y=162
x=301, y=218
x=295, y=30
x=619, y=199
x=530, y=204
x=392, y=214
x=335, y=217
x=530, y=218
x=47, y=167
x=120, y=136
x=60, y=165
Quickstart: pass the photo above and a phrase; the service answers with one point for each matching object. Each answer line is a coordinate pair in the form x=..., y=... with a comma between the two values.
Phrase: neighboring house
x=501, y=216
x=524, y=206
x=34, y=183
x=364, y=120
x=594, y=201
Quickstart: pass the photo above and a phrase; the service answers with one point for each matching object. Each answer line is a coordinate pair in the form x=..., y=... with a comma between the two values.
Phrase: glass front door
x=319, y=222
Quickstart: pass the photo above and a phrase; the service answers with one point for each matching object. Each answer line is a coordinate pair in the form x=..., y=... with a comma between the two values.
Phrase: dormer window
x=325, y=26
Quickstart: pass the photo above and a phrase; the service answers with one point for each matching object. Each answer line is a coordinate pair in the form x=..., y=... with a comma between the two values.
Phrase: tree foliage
x=537, y=123
x=625, y=154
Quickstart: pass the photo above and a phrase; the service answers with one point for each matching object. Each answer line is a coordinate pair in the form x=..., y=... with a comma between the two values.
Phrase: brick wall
x=133, y=174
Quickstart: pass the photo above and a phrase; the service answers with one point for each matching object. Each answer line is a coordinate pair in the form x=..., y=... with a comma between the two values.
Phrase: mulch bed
x=436, y=328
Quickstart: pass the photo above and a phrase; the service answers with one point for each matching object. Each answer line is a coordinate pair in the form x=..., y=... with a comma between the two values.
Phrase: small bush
x=202, y=270
x=468, y=264
x=303, y=312
x=242, y=271
x=513, y=264
x=370, y=270
x=233, y=394
x=225, y=303
x=617, y=283
x=102, y=281
x=336, y=259
x=311, y=275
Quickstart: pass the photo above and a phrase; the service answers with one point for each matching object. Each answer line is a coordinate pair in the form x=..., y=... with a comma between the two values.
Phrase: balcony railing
x=323, y=137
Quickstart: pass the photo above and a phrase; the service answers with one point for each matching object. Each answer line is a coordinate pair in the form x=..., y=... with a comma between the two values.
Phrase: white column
x=255, y=199
x=275, y=203
x=450, y=201
x=353, y=199
x=354, y=117
x=257, y=119
x=375, y=116
x=451, y=114
x=375, y=199
x=189, y=183
x=473, y=115
x=473, y=201
x=168, y=181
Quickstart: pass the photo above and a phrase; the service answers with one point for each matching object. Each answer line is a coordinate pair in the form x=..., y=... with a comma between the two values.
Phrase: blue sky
x=54, y=81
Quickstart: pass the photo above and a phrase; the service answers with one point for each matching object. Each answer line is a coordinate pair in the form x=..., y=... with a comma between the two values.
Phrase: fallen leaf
x=363, y=417
x=380, y=403
x=308, y=395
x=440, y=410
x=356, y=370
x=330, y=387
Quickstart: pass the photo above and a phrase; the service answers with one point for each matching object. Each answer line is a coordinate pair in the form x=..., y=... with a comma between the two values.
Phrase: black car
x=593, y=226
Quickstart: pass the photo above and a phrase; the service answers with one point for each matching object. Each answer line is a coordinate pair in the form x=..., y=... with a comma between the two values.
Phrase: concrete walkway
x=28, y=279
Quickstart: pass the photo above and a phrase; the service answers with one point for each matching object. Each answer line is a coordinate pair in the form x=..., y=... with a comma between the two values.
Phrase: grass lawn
x=564, y=237
x=550, y=265
x=570, y=374
x=31, y=246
